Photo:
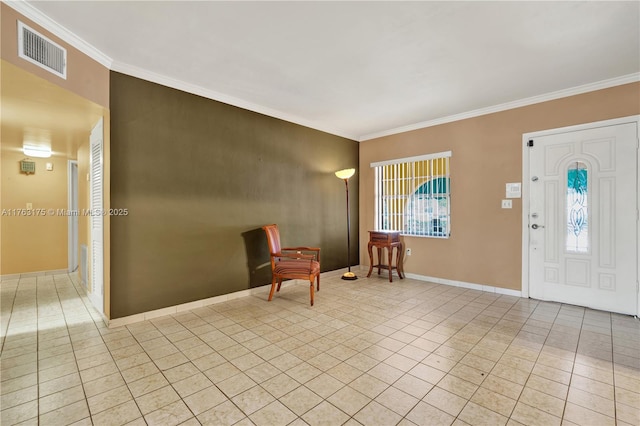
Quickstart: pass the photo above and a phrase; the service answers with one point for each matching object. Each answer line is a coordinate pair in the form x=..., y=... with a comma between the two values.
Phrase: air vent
x=37, y=49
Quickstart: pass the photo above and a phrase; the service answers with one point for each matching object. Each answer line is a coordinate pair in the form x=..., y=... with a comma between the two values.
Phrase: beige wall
x=33, y=243
x=87, y=79
x=85, y=76
x=486, y=244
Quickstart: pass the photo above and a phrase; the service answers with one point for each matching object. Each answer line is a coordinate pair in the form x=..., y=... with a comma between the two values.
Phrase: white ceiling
x=363, y=69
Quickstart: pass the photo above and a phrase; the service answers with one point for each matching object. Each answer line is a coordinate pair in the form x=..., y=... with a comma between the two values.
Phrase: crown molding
x=221, y=97
x=604, y=84
x=35, y=15
x=72, y=39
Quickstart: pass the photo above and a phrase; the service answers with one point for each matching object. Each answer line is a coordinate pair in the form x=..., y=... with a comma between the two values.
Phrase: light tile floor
x=369, y=352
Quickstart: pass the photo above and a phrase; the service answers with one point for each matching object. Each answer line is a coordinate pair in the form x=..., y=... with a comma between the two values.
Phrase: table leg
x=370, y=259
x=399, y=260
x=390, y=250
x=379, y=259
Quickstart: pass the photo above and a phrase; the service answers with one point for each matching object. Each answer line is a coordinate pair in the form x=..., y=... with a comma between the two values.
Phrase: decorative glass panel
x=577, y=208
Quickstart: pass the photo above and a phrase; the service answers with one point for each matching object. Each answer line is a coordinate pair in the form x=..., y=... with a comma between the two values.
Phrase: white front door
x=583, y=219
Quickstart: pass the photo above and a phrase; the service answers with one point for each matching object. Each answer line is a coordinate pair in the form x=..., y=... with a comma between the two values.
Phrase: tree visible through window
x=413, y=195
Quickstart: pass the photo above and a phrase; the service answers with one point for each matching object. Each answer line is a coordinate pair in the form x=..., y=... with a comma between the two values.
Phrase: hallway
x=369, y=352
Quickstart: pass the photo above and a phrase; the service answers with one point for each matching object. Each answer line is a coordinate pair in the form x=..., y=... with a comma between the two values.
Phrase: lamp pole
x=345, y=175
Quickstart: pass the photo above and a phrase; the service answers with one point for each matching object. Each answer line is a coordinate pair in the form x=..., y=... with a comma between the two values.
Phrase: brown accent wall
x=85, y=76
x=199, y=178
x=486, y=241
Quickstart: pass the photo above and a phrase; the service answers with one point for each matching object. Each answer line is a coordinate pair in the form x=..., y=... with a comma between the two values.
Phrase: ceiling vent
x=38, y=49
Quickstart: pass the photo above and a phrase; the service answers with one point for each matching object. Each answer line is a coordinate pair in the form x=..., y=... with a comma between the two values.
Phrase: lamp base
x=349, y=276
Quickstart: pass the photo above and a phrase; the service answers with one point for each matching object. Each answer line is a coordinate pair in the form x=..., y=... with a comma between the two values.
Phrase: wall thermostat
x=514, y=190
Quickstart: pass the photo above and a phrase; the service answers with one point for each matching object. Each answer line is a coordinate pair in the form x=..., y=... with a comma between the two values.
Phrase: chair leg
x=279, y=283
x=318, y=278
x=273, y=287
x=311, y=290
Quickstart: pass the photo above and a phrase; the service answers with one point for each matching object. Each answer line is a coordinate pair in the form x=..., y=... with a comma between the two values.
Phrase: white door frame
x=72, y=205
x=525, y=190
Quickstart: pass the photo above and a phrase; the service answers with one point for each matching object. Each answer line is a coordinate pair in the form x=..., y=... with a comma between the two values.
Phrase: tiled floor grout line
x=496, y=363
x=189, y=361
x=459, y=314
x=458, y=362
x=566, y=400
x=348, y=384
x=440, y=345
x=5, y=332
x=82, y=383
x=164, y=374
x=501, y=357
x=257, y=384
x=613, y=369
x=37, y=349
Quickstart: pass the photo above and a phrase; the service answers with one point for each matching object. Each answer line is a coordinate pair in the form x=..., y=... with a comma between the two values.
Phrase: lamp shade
x=345, y=174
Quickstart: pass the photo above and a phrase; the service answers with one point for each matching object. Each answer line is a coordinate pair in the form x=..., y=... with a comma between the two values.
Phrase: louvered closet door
x=583, y=218
x=96, y=218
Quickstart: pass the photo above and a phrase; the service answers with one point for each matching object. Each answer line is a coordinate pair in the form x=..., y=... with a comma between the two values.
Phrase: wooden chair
x=301, y=263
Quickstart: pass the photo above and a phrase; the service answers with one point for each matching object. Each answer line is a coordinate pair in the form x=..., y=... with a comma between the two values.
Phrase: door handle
x=536, y=226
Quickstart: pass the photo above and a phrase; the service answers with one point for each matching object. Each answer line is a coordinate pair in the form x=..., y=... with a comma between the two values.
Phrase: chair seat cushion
x=297, y=267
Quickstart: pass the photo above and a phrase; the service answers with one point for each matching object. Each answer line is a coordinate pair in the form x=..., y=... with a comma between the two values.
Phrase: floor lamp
x=345, y=175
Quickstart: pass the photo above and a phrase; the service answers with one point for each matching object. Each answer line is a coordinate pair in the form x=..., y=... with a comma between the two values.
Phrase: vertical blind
x=412, y=195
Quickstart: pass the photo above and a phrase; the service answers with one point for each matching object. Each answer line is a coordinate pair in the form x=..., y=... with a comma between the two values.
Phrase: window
x=413, y=195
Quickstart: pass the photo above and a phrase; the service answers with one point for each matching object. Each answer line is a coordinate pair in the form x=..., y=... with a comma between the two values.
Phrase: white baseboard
x=171, y=310
x=8, y=277
x=472, y=286
x=454, y=283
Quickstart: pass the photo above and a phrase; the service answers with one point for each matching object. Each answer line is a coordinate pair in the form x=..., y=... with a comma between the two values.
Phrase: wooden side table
x=388, y=240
